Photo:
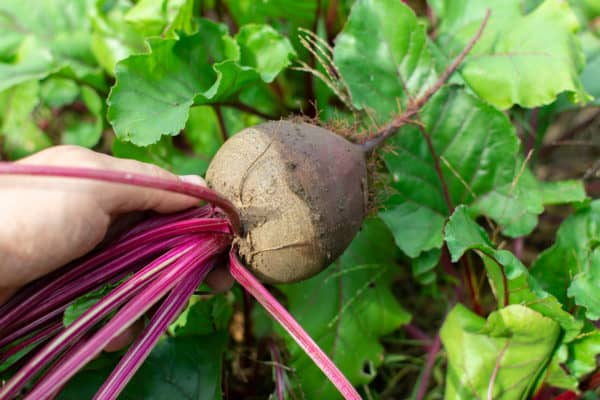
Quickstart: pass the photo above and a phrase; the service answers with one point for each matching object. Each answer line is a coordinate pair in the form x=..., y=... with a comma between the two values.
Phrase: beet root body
x=301, y=191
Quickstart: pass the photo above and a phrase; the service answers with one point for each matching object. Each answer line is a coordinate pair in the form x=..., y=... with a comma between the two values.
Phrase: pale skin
x=47, y=222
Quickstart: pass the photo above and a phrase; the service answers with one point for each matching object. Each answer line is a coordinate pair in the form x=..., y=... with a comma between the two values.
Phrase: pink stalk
x=37, y=338
x=199, y=253
x=171, y=185
x=74, y=331
x=197, y=225
x=158, y=220
x=430, y=363
x=279, y=374
x=141, y=348
x=262, y=295
x=59, y=299
x=44, y=320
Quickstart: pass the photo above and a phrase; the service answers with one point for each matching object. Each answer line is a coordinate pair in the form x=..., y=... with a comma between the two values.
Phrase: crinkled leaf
x=506, y=274
x=113, y=38
x=503, y=356
x=346, y=309
x=20, y=133
x=509, y=65
x=54, y=35
x=479, y=147
x=263, y=49
x=162, y=17
x=178, y=368
x=199, y=69
x=571, y=267
x=381, y=54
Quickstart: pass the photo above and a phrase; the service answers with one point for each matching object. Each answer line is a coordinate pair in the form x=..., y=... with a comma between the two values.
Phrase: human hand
x=48, y=222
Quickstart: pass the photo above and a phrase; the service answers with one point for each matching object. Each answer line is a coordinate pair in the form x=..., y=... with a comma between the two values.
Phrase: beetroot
x=301, y=192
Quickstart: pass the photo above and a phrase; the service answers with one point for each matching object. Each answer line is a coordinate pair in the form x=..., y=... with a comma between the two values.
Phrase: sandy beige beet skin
x=301, y=192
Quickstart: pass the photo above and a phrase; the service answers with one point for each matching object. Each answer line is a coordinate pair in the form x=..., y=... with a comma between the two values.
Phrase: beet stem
x=84, y=323
x=312, y=349
x=37, y=338
x=197, y=225
x=152, y=293
x=176, y=186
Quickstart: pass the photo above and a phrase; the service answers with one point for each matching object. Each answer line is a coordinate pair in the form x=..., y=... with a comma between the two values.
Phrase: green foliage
x=500, y=358
x=474, y=165
x=182, y=367
x=509, y=64
x=382, y=55
x=346, y=309
x=574, y=258
x=457, y=189
x=510, y=281
x=179, y=73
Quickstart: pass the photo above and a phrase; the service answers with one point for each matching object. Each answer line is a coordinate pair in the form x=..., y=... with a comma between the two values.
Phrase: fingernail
x=193, y=179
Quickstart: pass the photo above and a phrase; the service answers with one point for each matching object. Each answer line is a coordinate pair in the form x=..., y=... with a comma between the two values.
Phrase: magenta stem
x=281, y=315
x=429, y=364
x=196, y=225
x=279, y=374
x=92, y=316
x=171, y=185
x=197, y=253
x=38, y=337
x=141, y=348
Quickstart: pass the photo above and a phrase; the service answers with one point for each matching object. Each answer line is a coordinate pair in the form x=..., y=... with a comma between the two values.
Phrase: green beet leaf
x=509, y=65
x=500, y=358
x=506, y=274
x=479, y=147
x=571, y=267
x=178, y=368
x=382, y=54
x=346, y=309
x=203, y=68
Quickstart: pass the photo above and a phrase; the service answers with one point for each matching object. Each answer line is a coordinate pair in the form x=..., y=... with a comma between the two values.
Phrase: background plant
x=464, y=283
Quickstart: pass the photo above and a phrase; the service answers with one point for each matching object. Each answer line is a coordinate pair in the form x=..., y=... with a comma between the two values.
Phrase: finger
x=6, y=294
x=125, y=338
x=219, y=279
x=120, y=198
